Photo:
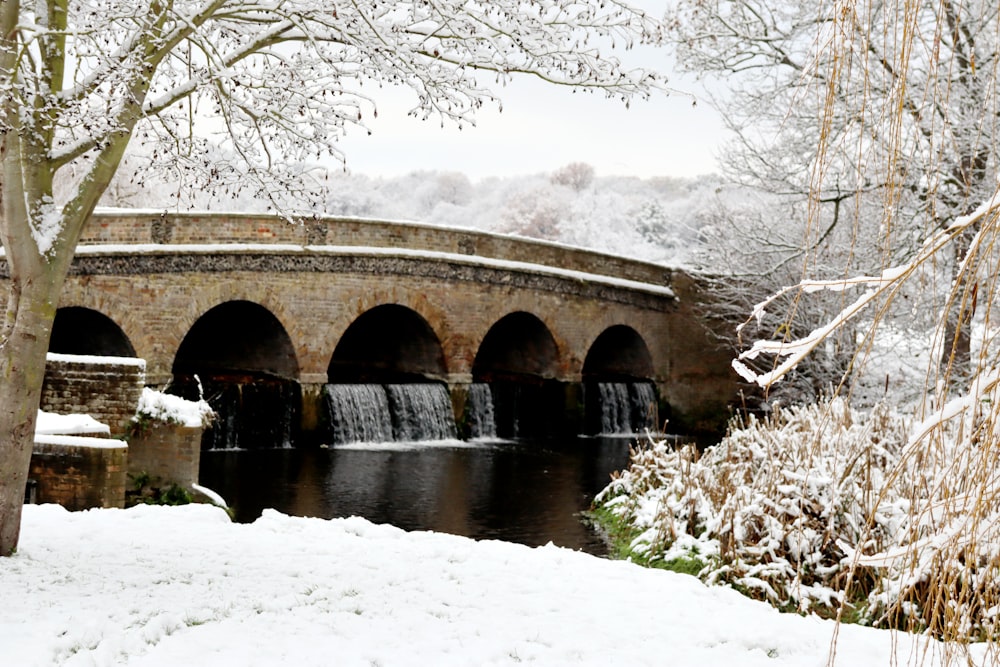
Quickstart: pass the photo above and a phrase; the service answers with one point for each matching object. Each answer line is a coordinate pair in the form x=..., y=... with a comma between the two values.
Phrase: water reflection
x=526, y=492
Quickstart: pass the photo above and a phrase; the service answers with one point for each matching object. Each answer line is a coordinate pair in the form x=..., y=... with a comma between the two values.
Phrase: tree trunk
x=30, y=312
x=956, y=355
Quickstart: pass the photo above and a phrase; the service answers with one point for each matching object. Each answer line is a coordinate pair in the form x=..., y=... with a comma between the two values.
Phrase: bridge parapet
x=194, y=228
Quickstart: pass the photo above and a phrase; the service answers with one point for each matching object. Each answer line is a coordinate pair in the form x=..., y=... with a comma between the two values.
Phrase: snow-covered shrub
x=157, y=406
x=822, y=505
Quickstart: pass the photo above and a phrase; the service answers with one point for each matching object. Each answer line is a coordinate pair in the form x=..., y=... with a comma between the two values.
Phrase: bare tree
x=782, y=94
x=892, y=126
x=282, y=82
x=576, y=175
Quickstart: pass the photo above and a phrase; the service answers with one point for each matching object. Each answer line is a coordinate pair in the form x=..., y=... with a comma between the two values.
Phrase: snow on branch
x=794, y=351
x=267, y=57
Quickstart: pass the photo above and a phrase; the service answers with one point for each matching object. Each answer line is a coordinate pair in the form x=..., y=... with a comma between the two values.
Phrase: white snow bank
x=96, y=359
x=49, y=423
x=164, y=407
x=80, y=441
x=158, y=586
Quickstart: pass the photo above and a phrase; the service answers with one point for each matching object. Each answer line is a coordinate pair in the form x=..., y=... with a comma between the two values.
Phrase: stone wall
x=106, y=388
x=156, y=311
x=79, y=472
x=167, y=453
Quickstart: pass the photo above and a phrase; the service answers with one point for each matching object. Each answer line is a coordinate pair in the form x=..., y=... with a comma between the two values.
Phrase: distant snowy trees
x=653, y=219
x=576, y=175
x=236, y=97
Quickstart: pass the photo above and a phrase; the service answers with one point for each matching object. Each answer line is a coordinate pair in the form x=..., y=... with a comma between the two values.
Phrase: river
x=526, y=491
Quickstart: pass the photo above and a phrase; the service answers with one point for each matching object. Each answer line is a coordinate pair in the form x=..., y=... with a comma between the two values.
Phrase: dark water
x=526, y=492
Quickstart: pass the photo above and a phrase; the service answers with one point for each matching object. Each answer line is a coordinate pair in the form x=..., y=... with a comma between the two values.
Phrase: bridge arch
x=241, y=358
x=80, y=330
x=618, y=383
x=618, y=354
x=238, y=338
x=389, y=343
x=518, y=347
x=519, y=359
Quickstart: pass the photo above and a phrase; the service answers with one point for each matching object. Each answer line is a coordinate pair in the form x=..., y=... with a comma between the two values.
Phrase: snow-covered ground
x=185, y=586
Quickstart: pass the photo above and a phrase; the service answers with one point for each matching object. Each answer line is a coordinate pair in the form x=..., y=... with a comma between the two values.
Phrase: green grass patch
x=146, y=490
x=692, y=565
x=620, y=534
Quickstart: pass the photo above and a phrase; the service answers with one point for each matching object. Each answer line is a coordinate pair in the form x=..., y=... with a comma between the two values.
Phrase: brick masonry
x=203, y=228
x=84, y=472
x=168, y=453
x=79, y=472
x=105, y=388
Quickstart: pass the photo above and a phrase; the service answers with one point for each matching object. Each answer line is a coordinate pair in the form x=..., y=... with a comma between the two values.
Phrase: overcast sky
x=543, y=127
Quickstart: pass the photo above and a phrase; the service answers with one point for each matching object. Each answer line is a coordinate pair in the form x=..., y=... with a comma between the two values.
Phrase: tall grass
x=890, y=517
x=829, y=510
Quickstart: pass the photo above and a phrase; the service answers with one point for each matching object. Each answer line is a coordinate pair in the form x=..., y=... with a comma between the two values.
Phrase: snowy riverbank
x=184, y=585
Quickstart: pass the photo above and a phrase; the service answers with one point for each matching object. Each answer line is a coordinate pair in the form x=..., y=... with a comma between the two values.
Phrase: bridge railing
x=127, y=227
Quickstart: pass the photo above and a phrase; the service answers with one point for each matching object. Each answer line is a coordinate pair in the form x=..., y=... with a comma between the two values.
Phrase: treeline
x=654, y=219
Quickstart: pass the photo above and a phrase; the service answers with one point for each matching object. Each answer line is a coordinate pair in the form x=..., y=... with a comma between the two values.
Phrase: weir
x=251, y=413
x=621, y=407
x=480, y=416
x=389, y=413
x=264, y=413
x=421, y=411
x=357, y=413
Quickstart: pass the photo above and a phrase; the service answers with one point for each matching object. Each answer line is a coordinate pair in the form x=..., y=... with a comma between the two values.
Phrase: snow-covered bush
x=821, y=506
x=157, y=406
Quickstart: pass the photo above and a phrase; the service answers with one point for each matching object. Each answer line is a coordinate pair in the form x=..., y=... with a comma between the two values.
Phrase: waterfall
x=615, y=413
x=358, y=413
x=252, y=413
x=480, y=418
x=642, y=396
x=421, y=411
x=626, y=407
x=387, y=413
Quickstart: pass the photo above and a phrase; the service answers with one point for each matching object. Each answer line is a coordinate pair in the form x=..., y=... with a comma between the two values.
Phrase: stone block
x=106, y=388
x=79, y=472
x=167, y=453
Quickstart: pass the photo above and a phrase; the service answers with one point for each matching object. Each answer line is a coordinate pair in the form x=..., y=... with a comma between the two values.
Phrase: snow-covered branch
x=288, y=77
x=794, y=351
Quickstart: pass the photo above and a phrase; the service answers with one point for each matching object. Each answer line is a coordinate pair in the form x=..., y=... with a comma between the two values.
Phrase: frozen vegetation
x=174, y=409
x=827, y=509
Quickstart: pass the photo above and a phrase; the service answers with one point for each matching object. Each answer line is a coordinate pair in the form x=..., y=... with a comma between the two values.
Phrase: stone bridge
x=352, y=300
